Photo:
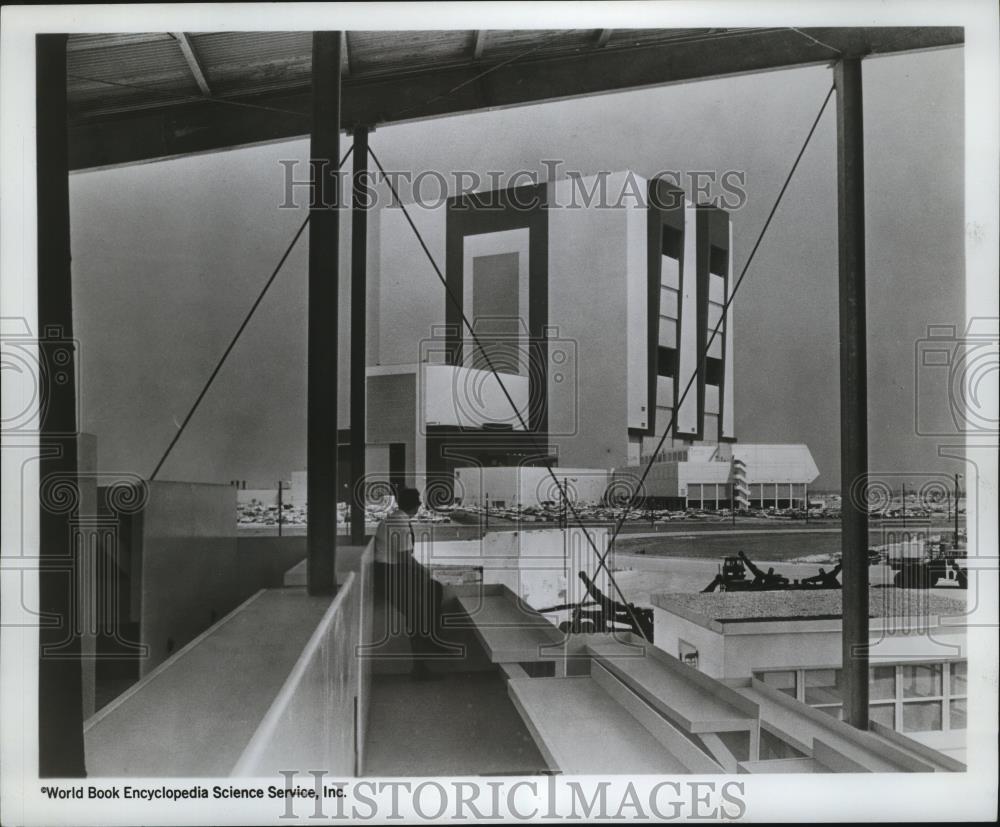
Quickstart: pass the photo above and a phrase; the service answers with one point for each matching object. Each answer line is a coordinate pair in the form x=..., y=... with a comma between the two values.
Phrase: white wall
x=540, y=565
x=776, y=463
x=661, y=481
x=470, y=398
x=589, y=269
x=669, y=630
x=411, y=298
x=597, y=368
x=529, y=485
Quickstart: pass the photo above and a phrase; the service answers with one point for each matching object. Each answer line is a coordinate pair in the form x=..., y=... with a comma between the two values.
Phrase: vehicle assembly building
x=596, y=374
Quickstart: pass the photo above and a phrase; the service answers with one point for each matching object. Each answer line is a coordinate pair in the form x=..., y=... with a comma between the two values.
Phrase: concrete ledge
x=920, y=751
x=582, y=730
x=348, y=560
x=800, y=724
x=314, y=718
x=278, y=676
x=510, y=631
x=694, y=702
x=195, y=713
x=781, y=765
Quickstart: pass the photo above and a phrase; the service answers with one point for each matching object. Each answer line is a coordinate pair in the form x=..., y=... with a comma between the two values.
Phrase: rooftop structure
x=717, y=610
x=791, y=641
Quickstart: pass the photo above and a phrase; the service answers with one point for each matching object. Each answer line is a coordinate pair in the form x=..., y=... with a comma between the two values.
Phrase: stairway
x=738, y=482
x=639, y=710
x=616, y=704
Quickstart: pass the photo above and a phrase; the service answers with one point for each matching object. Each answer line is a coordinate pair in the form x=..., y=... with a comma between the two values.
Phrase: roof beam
x=187, y=49
x=602, y=37
x=191, y=127
x=479, y=44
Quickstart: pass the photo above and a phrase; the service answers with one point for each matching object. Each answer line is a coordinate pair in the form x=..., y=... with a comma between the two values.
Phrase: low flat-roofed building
x=791, y=640
x=710, y=476
x=527, y=485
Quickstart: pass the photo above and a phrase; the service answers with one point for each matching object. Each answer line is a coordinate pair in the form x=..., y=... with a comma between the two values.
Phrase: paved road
x=679, y=535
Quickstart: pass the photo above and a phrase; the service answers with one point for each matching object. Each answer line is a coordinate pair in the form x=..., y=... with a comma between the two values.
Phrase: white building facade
x=594, y=299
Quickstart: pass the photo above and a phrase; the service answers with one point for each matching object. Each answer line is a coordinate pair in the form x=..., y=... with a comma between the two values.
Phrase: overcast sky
x=168, y=256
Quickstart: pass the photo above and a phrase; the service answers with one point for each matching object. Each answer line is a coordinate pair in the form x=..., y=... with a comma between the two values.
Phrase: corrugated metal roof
x=243, y=62
x=139, y=96
x=107, y=72
x=115, y=75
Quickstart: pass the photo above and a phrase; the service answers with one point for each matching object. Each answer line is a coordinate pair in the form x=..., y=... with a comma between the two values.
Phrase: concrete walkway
x=194, y=715
x=461, y=724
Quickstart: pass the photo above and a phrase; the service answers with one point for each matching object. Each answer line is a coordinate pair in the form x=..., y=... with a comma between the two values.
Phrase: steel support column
x=324, y=259
x=359, y=287
x=853, y=389
x=60, y=686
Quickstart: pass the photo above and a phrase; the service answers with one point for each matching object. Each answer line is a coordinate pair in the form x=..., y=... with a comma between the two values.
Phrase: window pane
x=673, y=242
x=959, y=684
x=883, y=714
x=714, y=317
x=823, y=686
x=668, y=302
x=716, y=289
x=782, y=681
x=922, y=717
x=668, y=332
x=718, y=260
x=714, y=344
x=957, y=714
x=834, y=711
x=921, y=680
x=882, y=682
x=666, y=361
x=713, y=371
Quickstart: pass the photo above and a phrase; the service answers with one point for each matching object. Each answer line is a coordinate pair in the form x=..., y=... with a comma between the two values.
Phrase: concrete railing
x=275, y=682
x=319, y=716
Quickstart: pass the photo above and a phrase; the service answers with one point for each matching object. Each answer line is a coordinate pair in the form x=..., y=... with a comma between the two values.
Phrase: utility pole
x=904, y=504
x=281, y=506
x=564, y=514
x=957, y=476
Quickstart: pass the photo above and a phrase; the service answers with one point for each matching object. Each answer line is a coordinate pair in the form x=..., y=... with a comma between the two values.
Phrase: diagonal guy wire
x=517, y=412
x=718, y=324
x=236, y=336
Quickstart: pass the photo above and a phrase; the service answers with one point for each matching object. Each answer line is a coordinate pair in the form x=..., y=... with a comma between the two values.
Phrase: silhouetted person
x=405, y=584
